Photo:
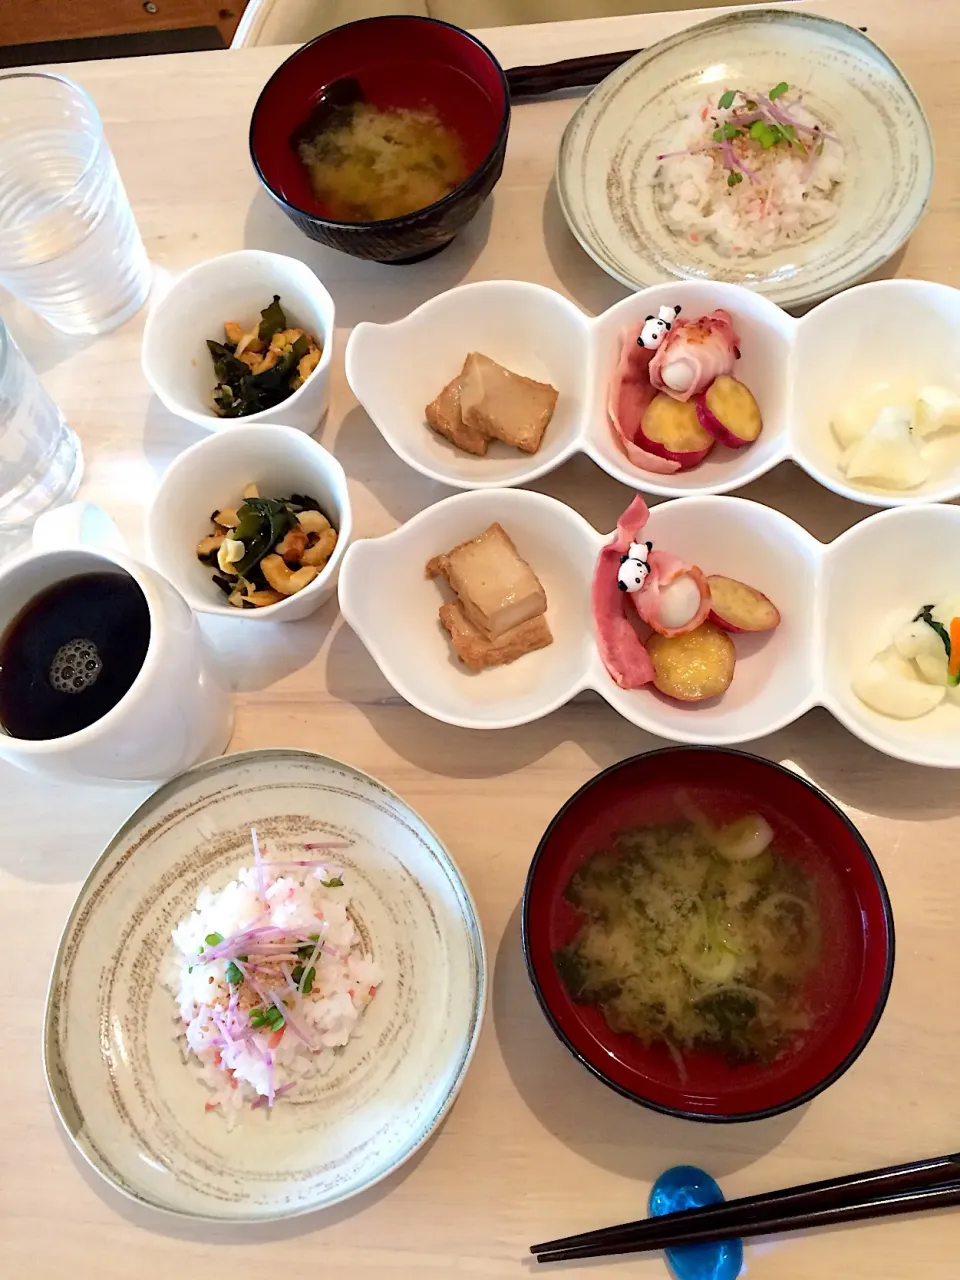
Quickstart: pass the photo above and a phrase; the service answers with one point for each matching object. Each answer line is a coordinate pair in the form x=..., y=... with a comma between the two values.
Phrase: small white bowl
x=837, y=603
x=212, y=474
x=237, y=286
x=800, y=371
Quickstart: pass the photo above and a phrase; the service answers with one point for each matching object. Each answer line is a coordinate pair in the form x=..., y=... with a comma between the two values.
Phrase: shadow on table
x=584, y=281
x=256, y=655
x=67, y=832
x=377, y=291
x=449, y=751
x=610, y=1131
x=860, y=777
x=165, y=436
x=239, y=1233
x=368, y=460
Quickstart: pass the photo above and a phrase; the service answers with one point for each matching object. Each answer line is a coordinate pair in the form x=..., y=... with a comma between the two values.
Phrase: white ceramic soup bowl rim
x=50, y=1009
x=214, y=266
x=286, y=437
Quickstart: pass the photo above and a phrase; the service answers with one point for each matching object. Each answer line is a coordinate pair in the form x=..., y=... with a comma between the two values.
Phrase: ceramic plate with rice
x=246, y=1032
x=769, y=148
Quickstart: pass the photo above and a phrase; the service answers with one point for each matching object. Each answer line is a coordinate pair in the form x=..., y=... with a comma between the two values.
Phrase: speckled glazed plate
x=114, y=1070
x=608, y=155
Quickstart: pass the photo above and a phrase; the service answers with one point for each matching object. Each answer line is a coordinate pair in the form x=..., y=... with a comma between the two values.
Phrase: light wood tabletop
x=534, y=1147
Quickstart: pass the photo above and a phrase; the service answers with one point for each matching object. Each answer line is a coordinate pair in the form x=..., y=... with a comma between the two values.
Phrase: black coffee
x=71, y=654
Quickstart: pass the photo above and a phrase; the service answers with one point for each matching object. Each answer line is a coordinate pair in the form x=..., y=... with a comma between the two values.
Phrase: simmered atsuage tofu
x=497, y=588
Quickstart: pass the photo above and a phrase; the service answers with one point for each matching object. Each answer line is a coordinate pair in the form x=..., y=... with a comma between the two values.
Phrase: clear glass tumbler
x=40, y=458
x=69, y=246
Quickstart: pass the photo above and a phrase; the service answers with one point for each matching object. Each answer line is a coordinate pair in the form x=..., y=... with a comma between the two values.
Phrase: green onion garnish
x=734, y=178
x=332, y=884
x=308, y=982
x=726, y=99
x=213, y=939
x=778, y=90
x=233, y=974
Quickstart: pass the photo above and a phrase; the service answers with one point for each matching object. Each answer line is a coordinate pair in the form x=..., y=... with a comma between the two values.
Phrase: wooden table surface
x=534, y=1147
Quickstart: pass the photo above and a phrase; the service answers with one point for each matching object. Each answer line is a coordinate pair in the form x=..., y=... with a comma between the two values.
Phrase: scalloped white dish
x=835, y=601
x=131, y=1106
x=609, y=155
x=800, y=372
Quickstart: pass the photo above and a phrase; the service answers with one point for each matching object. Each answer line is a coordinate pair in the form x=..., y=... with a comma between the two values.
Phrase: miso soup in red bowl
x=383, y=137
x=708, y=934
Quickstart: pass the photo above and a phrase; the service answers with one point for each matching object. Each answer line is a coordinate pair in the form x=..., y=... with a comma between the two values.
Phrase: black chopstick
x=752, y=1215
x=570, y=73
x=940, y=1197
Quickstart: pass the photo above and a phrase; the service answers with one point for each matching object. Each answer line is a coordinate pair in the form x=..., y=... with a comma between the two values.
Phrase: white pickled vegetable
x=937, y=407
x=854, y=419
x=916, y=638
x=947, y=609
x=890, y=684
x=933, y=665
x=887, y=456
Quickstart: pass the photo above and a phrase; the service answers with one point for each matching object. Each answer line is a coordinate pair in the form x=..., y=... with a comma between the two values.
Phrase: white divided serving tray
x=800, y=371
x=839, y=604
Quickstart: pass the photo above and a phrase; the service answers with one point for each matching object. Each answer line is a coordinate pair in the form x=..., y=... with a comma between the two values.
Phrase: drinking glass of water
x=69, y=246
x=40, y=458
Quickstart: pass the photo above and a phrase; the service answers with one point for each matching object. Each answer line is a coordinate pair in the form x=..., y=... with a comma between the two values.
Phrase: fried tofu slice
x=443, y=415
x=497, y=588
x=505, y=405
x=476, y=651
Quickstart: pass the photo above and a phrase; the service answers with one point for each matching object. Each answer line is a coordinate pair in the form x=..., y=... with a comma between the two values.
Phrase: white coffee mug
x=175, y=713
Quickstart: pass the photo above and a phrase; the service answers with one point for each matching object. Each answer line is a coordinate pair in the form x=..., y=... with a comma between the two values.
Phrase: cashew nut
x=226, y=518
x=250, y=491
x=283, y=579
x=208, y=545
x=263, y=598
x=322, y=549
x=313, y=521
x=293, y=545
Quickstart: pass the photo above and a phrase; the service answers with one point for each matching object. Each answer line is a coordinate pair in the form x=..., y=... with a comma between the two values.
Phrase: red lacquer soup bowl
x=844, y=994
x=399, y=62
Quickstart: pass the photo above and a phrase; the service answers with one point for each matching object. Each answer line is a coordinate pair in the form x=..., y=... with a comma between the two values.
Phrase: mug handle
x=78, y=524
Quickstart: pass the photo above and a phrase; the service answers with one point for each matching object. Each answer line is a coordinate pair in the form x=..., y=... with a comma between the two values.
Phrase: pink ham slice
x=709, y=344
x=629, y=398
x=621, y=649
x=664, y=569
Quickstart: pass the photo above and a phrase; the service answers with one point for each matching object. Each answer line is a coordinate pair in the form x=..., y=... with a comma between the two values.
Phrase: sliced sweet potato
x=671, y=429
x=728, y=412
x=737, y=607
x=694, y=666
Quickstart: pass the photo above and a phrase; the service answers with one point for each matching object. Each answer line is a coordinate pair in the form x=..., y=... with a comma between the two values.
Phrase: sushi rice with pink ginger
x=747, y=195
x=270, y=978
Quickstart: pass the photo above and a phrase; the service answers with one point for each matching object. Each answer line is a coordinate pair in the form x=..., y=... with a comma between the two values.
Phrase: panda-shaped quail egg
x=634, y=566
x=657, y=327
